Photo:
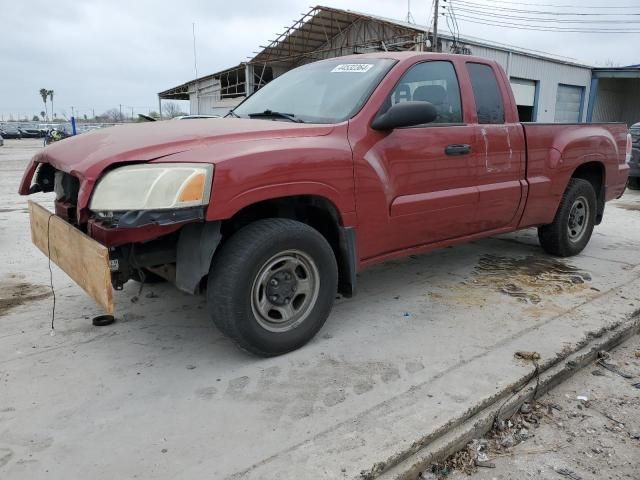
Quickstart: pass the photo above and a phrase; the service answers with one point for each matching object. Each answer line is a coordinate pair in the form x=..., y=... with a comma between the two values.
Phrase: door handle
x=458, y=149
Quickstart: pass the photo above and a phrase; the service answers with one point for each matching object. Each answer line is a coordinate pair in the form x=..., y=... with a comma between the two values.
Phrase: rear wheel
x=272, y=285
x=574, y=221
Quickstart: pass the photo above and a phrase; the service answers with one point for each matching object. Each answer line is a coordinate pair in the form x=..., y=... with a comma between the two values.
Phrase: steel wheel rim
x=285, y=290
x=578, y=219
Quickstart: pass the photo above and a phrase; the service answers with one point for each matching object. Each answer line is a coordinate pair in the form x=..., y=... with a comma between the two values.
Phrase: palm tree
x=50, y=92
x=44, y=93
x=43, y=114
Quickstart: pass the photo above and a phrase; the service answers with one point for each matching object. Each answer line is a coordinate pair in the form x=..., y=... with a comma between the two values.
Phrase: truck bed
x=554, y=151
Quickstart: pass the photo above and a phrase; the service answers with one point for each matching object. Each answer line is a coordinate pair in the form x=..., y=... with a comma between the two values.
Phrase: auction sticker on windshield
x=352, y=68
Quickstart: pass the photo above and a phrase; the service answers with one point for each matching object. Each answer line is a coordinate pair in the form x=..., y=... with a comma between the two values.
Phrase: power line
x=468, y=4
x=518, y=26
x=541, y=19
x=580, y=7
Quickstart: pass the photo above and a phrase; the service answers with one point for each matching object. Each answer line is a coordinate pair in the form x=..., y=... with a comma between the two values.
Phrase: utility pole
x=195, y=67
x=72, y=112
x=409, y=16
x=132, y=114
x=435, y=26
x=121, y=112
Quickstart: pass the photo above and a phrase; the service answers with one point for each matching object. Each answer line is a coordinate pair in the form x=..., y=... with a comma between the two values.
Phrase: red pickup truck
x=332, y=167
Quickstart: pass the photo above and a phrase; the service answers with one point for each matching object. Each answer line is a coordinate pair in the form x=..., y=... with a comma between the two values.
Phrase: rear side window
x=433, y=82
x=489, y=106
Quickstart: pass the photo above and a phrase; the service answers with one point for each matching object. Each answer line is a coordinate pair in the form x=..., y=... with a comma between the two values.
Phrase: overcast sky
x=98, y=54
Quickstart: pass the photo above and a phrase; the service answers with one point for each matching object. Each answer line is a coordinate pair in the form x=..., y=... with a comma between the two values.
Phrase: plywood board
x=78, y=255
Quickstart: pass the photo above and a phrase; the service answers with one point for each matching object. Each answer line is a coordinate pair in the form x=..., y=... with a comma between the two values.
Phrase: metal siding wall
x=609, y=102
x=618, y=100
x=631, y=111
x=548, y=73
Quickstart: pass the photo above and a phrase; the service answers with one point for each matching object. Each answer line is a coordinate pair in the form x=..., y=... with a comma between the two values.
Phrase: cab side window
x=489, y=106
x=433, y=82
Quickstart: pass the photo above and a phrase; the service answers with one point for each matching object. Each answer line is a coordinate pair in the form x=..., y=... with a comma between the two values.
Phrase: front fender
x=249, y=173
x=251, y=196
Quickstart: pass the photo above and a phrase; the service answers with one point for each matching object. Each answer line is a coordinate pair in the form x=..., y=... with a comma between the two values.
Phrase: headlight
x=153, y=187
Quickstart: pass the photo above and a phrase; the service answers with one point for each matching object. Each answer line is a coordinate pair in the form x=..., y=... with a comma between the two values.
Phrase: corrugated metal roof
x=320, y=24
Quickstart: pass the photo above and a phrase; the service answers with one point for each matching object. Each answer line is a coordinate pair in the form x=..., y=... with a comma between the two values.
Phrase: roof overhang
x=621, y=72
x=311, y=36
x=181, y=92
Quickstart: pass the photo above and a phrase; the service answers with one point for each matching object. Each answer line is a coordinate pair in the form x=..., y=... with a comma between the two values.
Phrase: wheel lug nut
x=274, y=298
x=293, y=289
x=274, y=282
x=286, y=301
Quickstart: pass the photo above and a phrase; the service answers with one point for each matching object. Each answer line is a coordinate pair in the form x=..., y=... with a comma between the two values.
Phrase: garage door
x=524, y=91
x=569, y=103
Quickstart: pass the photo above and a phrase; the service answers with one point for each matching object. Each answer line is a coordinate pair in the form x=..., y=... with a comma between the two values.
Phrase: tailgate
x=78, y=255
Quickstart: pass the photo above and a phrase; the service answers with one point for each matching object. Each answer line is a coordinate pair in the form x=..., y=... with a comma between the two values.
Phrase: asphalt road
x=162, y=394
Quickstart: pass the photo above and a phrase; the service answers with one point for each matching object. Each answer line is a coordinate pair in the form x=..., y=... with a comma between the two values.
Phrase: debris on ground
x=569, y=473
x=533, y=356
x=505, y=435
x=585, y=428
x=612, y=367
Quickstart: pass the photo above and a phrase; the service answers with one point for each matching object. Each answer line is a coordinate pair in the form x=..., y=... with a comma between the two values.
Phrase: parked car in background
x=30, y=131
x=634, y=172
x=10, y=131
x=1, y=141
x=332, y=167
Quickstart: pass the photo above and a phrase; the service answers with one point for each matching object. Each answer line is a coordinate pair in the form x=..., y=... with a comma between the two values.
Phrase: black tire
x=560, y=238
x=240, y=268
x=634, y=183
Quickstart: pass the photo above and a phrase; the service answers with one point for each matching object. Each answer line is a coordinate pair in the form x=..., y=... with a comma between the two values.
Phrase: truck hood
x=87, y=155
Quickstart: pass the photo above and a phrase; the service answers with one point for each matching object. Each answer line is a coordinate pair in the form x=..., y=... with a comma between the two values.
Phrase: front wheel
x=574, y=221
x=272, y=285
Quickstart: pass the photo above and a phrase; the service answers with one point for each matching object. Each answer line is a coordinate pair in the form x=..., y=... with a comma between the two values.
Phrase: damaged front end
x=173, y=242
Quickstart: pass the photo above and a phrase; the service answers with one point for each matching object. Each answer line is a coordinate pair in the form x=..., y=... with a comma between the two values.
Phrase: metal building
x=547, y=88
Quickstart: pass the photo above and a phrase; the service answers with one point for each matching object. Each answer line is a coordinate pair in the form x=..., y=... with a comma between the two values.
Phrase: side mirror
x=405, y=114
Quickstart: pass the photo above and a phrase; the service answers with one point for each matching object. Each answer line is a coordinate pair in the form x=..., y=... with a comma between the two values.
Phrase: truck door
x=428, y=171
x=499, y=153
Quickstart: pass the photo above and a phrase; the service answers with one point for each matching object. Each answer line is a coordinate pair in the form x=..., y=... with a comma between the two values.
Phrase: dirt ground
x=586, y=428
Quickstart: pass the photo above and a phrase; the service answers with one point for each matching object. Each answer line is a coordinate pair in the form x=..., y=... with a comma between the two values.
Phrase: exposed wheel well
x=594, y=173
x=317, y=212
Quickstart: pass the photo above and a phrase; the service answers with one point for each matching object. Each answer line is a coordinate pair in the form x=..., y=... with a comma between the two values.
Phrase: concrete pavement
x=160, y=394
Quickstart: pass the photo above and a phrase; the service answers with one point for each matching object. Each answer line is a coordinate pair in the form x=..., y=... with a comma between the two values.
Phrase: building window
x=569, y=100
x=488, y=97
x=526, y=95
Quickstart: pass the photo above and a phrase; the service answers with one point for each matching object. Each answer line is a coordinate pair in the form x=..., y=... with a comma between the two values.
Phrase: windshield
x=329, y=91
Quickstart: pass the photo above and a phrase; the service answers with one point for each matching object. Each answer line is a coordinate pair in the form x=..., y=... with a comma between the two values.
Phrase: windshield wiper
x=270, y=113
x=232, y=113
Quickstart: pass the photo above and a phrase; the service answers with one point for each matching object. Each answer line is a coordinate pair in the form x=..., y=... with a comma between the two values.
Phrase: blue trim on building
x=593, y=98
